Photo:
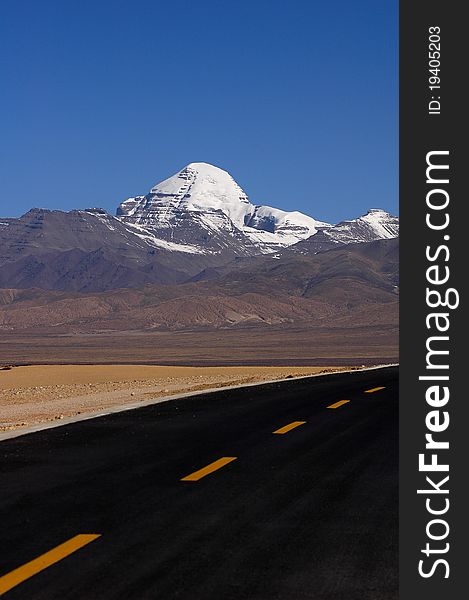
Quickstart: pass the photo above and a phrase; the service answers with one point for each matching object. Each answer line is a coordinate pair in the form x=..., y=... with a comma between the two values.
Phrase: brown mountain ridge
x=353, y=285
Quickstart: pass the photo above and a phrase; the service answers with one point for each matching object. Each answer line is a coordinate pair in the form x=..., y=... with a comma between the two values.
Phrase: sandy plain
x=253, y=346
x=30, y=395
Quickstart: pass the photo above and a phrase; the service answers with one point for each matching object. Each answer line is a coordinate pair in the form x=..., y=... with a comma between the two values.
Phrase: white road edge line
x=6, y=435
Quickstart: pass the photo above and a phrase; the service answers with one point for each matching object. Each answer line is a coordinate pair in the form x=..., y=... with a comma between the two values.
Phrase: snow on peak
x=202, y=206
x=215, y=202
x=375, y=224
x=202, y=187
x=383, y=224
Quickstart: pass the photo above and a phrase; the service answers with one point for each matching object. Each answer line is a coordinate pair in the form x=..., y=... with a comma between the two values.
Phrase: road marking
x=17, y=576
x=339, y=403
x=218, y=464
x=374, y=389
x=289, y=427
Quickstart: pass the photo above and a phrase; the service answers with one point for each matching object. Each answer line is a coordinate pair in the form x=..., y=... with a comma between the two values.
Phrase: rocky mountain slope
x=349, y=286
x=89, y=250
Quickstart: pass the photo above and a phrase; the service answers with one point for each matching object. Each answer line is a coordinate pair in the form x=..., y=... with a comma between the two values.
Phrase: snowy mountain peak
x=374, y=225
x=203, y=187
x=203, y=207
x=203, y=203
x=381, y=223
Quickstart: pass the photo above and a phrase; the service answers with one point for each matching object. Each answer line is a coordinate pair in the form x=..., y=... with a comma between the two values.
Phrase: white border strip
x=6, y=435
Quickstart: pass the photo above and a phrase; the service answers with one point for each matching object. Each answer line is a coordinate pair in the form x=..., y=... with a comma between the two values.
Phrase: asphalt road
x=309, y=512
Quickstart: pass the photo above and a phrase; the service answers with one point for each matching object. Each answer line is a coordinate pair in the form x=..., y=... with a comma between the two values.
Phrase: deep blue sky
x=297, y=100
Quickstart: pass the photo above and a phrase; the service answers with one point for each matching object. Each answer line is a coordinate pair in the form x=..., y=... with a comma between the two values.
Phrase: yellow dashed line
x=289, y=427
x=218, y=464
x=17, y=576
x=339, y=403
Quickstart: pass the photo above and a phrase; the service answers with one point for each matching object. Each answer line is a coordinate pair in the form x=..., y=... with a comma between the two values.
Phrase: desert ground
x=268, y=346
x=30, y=395
x=52, y=376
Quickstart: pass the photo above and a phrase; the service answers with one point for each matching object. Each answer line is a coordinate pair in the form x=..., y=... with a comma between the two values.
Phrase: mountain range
x=347, y=286
x=196, y=273
x=193, y=226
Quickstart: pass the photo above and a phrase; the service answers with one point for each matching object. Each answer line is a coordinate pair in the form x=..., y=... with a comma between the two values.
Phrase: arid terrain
x=356, y=285
x=339, y=307
x=106, y=318
x=40, y=394
x=275, y=346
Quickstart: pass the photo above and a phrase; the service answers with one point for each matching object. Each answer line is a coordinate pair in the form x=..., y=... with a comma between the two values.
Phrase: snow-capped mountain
x=191, y=226
x=376, y=224
x=202, y=205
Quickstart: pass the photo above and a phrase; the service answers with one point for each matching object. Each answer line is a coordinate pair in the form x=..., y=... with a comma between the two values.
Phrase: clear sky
x=296, y=99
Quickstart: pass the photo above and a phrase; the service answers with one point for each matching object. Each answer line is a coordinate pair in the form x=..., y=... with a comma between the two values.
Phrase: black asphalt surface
x=311, y=514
